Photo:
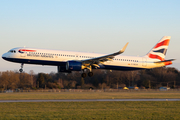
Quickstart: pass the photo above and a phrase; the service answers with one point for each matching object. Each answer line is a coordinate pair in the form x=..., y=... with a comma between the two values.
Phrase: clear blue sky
x=101, y=26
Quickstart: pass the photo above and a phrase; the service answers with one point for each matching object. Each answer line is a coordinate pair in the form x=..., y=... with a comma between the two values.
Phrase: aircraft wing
x=102, y=59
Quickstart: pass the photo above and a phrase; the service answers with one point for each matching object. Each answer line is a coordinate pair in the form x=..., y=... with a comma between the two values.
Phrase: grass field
x=88, y=95
x=92, y=110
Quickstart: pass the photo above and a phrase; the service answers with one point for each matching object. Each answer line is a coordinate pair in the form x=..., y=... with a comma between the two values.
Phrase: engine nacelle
x=74, y=66
x=63, y=69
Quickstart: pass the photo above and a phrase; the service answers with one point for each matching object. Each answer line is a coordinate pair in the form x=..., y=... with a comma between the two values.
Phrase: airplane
x=68, y=61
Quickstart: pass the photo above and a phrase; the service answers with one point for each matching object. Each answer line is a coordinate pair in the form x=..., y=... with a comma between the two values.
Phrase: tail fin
x=158, y=52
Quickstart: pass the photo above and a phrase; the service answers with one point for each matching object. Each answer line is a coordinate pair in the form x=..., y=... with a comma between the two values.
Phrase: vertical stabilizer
x=159, y=50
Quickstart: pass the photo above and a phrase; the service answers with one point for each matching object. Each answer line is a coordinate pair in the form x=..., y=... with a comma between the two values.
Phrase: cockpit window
x=12, y=51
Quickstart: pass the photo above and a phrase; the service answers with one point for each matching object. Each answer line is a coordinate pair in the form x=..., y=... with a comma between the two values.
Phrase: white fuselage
x=59, y=58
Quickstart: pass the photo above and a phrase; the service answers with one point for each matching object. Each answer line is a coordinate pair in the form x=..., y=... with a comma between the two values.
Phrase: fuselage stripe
x=27, y=50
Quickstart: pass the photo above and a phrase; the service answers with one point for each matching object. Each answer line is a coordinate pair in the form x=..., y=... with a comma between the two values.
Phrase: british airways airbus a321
x=67, y=61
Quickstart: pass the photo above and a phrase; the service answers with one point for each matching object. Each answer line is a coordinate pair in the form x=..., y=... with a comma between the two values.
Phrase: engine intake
x=74, y=66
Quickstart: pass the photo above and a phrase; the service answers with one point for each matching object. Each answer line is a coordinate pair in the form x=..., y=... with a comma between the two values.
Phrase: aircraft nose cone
x=4, y=56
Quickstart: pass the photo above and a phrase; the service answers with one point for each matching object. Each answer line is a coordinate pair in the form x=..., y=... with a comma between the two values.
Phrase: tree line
x=154, y=78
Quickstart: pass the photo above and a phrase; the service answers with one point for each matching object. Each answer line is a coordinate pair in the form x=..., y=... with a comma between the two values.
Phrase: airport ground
x=91, y=95
x=135, y=110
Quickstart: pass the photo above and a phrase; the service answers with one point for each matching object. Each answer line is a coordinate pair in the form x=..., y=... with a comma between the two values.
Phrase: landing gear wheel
x=90, y=74
x=20, y=70
x=83, y=75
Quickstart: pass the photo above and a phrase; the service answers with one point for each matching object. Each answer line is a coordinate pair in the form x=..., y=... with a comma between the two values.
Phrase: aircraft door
x=144, y=62
x=23, y=54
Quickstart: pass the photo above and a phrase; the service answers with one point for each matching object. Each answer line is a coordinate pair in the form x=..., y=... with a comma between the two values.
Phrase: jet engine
x=73, y=66
x=63, y=69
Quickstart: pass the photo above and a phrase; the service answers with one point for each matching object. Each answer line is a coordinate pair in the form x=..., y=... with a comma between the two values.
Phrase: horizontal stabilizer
x=165, y=61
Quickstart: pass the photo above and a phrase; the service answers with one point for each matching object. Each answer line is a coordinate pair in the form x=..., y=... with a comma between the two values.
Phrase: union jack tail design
x=159, y=50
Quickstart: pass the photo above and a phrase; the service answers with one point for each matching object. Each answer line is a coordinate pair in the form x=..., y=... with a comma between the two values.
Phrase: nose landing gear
x=21, y=69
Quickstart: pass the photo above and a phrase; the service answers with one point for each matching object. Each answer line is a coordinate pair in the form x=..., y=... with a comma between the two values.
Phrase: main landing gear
x=21, y=69
x=83, y=75
x=90, y=73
